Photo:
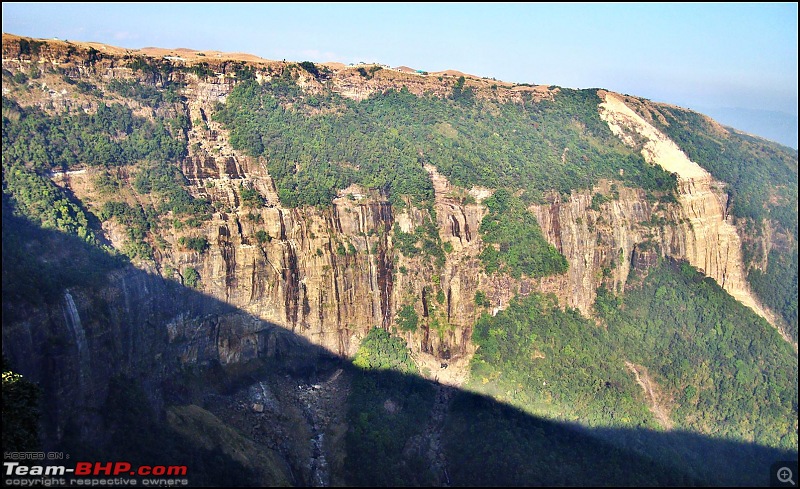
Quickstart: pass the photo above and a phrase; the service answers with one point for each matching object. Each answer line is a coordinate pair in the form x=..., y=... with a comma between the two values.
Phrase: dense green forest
x=721, y=369
x=111, y=136
x=777, y=287
x=35, y=144
x=728, y=372
x=555, y=364
x=391, y=410
x=316, y=144
x=521, y=246
x=386, y=408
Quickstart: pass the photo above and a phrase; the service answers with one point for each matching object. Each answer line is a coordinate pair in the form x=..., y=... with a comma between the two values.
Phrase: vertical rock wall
x=706, y=236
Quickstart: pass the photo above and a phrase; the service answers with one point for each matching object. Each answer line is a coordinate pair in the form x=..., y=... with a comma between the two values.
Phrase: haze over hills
x=318, y=274
x=775, y=126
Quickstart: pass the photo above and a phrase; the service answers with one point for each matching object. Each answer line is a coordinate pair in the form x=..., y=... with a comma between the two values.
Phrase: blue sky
x=701, y=56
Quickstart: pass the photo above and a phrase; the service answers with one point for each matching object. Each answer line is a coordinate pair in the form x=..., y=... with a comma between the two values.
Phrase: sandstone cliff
x=330, y=275
x=706, y=236
x=277, y=295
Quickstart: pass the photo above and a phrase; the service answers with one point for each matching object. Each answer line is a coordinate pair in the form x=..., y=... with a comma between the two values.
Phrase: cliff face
x=705, y=234
x=603, y=243
x=251, y=323
x=330, y=275
x=138, y=326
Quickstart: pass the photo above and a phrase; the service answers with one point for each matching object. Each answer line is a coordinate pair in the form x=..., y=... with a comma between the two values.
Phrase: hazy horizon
x=769, y=124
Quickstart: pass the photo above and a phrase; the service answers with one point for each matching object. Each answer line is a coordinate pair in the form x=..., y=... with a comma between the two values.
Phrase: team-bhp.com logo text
x=94, y=474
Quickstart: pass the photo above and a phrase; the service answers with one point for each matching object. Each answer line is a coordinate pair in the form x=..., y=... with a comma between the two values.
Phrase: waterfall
x=73, y=321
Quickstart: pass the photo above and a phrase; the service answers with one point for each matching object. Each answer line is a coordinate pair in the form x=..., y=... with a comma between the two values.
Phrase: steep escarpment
x=707, y=237
x=331, y=272
x=603, y=234
x=246, y=224
x=760, y=196
x=112, y=355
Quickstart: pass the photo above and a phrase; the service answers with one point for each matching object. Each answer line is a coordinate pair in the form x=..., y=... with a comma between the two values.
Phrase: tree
x=198, y=244
x=310, y=67
x=481, y=300
x=20, y=413
x=407, y=318
x=462, y=95
x=191, y=277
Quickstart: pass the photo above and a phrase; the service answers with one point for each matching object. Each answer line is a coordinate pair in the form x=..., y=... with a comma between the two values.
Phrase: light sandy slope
x=658, y=149
x=712, y=243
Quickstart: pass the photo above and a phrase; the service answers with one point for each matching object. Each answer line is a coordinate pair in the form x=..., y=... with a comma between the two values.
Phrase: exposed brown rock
x=301, y=279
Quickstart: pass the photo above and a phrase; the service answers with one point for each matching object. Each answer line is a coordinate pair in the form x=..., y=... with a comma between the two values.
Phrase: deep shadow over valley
x=134, y=367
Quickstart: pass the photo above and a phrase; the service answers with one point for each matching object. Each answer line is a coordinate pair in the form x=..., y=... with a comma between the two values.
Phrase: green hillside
x=668, y=381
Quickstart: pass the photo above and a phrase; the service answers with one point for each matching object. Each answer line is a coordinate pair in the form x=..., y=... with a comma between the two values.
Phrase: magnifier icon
x=785, y=475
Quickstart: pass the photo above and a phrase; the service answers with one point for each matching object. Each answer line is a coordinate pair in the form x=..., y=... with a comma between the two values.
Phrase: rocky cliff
x=259, y=282
x=331, y=274
x=603, y=243
x=706, y=236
